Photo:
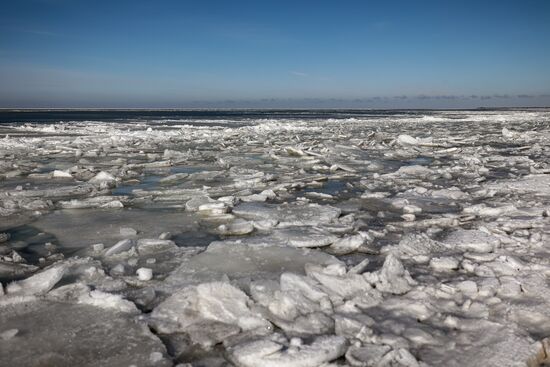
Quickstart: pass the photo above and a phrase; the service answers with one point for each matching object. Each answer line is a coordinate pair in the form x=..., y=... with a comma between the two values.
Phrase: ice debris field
x=384, y=240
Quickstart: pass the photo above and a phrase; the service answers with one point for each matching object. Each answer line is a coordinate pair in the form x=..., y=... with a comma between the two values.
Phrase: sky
x=276, y=54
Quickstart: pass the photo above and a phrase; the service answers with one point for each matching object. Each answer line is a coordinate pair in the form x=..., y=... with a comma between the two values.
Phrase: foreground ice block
x=39, y=283
x=216, y=301
x=63, y=334
x=269, y=353
x=242, y=260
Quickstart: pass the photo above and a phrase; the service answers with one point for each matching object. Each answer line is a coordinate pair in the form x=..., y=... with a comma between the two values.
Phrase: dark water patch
x=29, y=242
x=152, y=181
x=148, y=182
x=193, y=116
x=194, y=238
x=420, y=161
x=391, y=165
x=187, y=169
x=78, y=228
x=330, y=187
x=338, y=189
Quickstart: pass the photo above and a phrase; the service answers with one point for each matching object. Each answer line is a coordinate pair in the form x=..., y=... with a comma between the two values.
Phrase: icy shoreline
x=393, y=241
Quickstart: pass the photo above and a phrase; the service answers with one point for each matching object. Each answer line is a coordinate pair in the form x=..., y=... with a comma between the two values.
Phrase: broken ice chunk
x=399, y=357
x=120, y=246
x=105, y=202
x=216, y=301
x=360, y=267
x=39, y=283
x=236, y=228
x=296, y=283
x=102, y=177
x=406, y=140
x=393, y=278
x=413, y=244
x=343, y=167
x=366, y=355
x=127, y=232
x=118, y=269
x=209, y=333
x=508, y=134
x=269, y=353
x=472, y=240
x=172, y=179
x=61, y=174
x=289, y=215
x=349, y=322
x=294, y=152
x=261, y=197
x=8, y=334
x=10, y=270
x=304, y=237
x=411, y=209
x=445, y=263
x=299, y=308
x=148, y=246
x=241, y=259
x=106, y=300
x=414, y=171
x=483, y=210
x=193, y=204
x=144, y=274
x=468, y=287
x=408, y=217
x=212, y=209
x=347, y=244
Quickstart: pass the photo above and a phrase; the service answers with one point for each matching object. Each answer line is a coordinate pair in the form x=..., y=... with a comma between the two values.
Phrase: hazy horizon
x=382, y=103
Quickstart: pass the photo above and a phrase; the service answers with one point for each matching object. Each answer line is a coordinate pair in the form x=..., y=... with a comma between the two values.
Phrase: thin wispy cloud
x=33, y=31
x=299, y=73
x=39, y=32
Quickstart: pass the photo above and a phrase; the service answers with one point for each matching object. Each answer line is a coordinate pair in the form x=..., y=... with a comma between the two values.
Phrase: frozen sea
x=289, y=238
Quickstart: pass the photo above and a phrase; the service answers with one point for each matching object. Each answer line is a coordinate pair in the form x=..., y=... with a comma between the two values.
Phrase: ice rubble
x=216, y=301
x=271, y=353
x=355, y=242
x=288, y=215
x=39, y=283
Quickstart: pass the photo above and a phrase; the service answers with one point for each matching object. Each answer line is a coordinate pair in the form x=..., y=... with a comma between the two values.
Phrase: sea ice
x=471, y=240
x=393, y=278
x=102, y=177
x=216, y=301
x=239, y=260
x=64, y=334
x=269, y=353
x=38, y=283
x=144, y=274
x=120, y=246
x=433, y=250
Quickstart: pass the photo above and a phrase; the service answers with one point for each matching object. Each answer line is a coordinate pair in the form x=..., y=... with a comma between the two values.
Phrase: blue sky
x=72, y=53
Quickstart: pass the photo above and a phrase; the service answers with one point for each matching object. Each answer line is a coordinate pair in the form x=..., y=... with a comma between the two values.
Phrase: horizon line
x=21, y=109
